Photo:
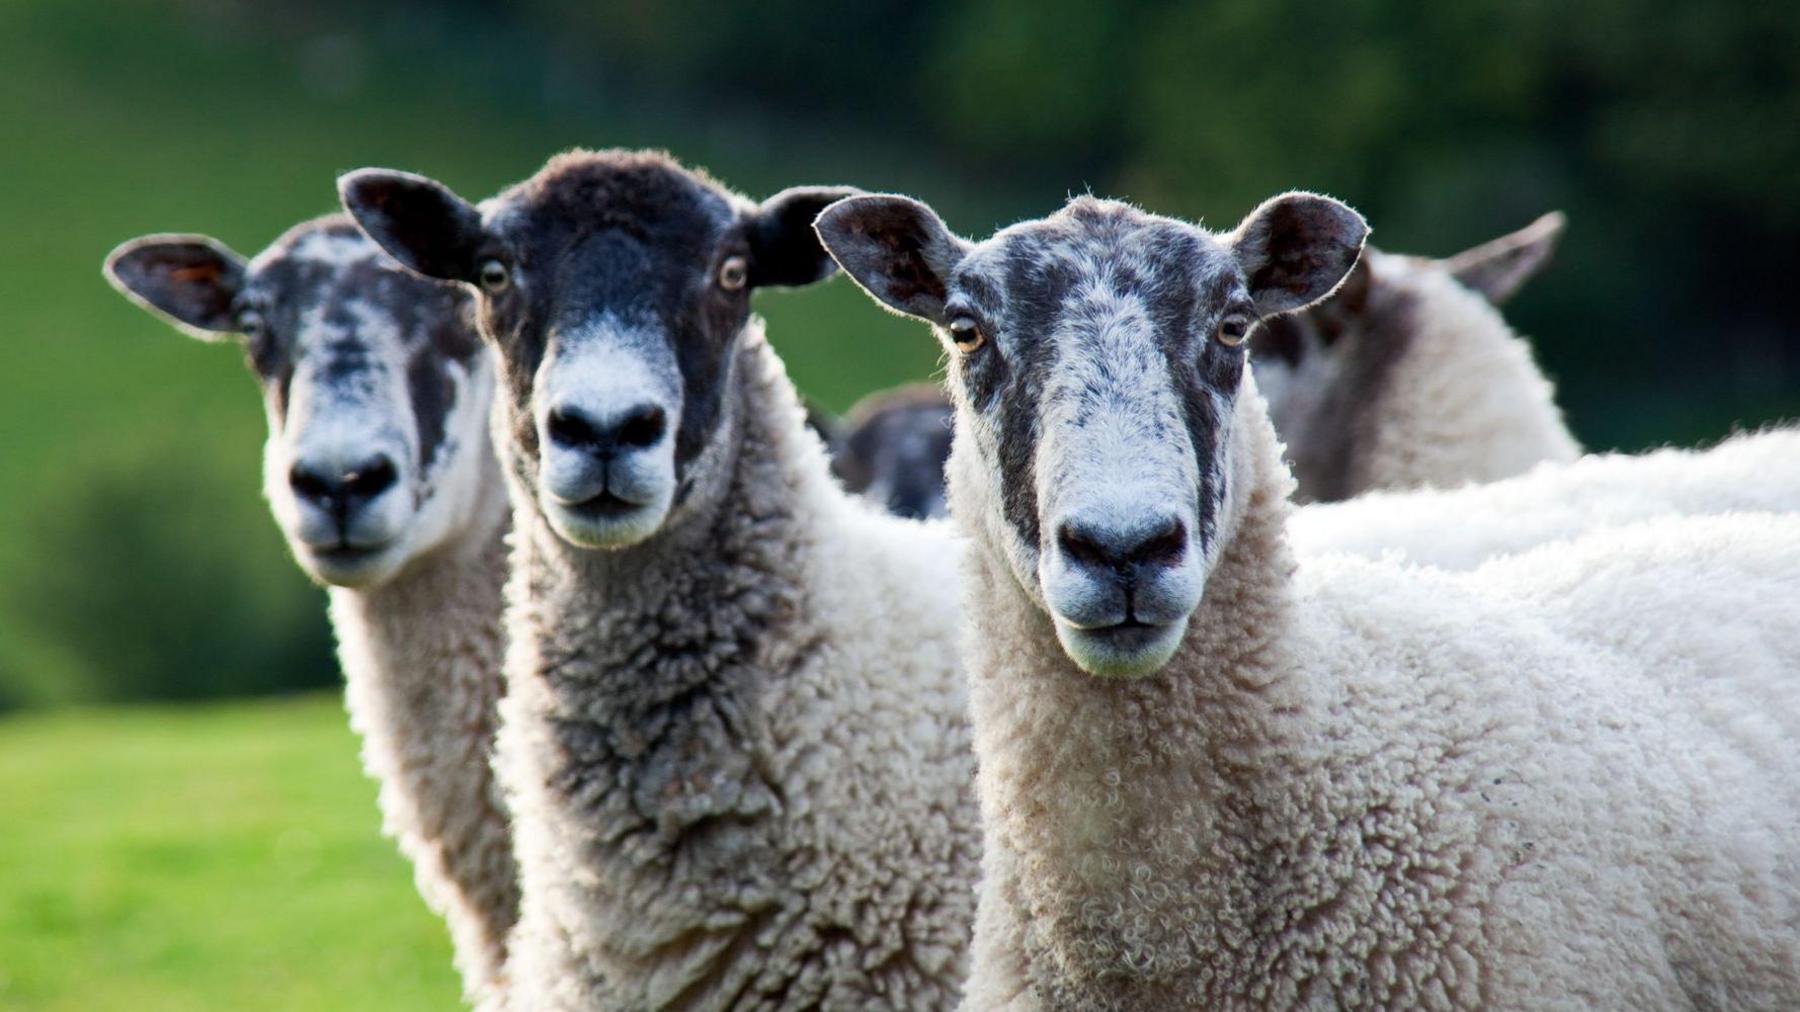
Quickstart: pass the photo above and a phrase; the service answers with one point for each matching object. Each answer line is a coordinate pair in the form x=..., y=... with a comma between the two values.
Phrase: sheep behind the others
x=1408, y=376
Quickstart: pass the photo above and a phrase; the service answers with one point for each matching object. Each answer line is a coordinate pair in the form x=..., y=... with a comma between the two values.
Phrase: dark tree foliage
x=135, y=577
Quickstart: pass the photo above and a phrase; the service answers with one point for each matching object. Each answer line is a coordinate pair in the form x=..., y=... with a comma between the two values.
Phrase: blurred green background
x=150, y=854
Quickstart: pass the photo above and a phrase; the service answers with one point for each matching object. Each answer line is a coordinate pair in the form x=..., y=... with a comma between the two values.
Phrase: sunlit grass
x=204, y=858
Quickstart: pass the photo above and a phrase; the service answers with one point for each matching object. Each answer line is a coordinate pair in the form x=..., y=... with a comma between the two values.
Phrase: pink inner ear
x=197, y=274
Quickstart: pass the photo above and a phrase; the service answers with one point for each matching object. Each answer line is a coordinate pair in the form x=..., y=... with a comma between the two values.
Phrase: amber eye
x=494, y=276
x=734, y=273
x=250, y=323
x=966, y=334
x=1233, y=329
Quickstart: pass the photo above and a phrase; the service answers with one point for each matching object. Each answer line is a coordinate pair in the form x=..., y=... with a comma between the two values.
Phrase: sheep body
x=1564, y=780
x=1463, y=527
x=738, y=754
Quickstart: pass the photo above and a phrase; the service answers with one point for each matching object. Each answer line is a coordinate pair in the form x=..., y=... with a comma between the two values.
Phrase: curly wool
x=1464, y=527
x=738, y=754
x=421, y=655
x=1562, y=781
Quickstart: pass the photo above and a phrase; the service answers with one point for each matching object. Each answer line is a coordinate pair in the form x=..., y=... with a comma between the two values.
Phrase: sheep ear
x=1295, y=248
x=1498, y=269
x=897, y=249
x=419, y=221
x=784, y=249
x=189, y=280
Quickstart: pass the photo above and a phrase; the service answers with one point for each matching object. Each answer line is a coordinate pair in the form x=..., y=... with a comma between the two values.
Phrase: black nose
x=336, y=489
x=1124, y=549
x=637, y=428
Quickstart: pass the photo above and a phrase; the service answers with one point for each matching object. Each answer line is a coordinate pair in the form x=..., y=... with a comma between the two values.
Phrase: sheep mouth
x=607, y=506
x=1129, y=649
x=606, y=521
x=347, y=565
x=1129, y=634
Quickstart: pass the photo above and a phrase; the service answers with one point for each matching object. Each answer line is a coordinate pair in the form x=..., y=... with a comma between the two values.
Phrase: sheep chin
x=1121, y=652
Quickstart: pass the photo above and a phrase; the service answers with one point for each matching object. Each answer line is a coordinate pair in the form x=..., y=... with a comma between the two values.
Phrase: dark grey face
x=895, y=449
x=615, y=286
x=1096, y=359
x=374, y=379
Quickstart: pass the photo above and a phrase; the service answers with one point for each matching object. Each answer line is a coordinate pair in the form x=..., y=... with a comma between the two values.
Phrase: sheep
x=1462, y=528
x=1213, y=775
x=733, y=738
x=382, y=477
x=1408, y=376
x=892, y=449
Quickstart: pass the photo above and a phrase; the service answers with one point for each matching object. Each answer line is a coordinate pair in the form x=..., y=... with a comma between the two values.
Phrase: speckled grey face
x=374, y=381
x=1096, y=356
x=615, y=286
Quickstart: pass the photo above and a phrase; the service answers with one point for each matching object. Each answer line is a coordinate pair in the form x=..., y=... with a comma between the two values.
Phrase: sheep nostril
x=311, y=485
x=1163, y=548
x=1080, y=545
x=643, y=427
x=573, y=430
x=371, y=479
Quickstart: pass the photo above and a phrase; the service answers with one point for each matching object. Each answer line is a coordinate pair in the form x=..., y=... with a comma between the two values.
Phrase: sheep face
x=1095, y=358
x=374, y=380
x=894, y=449
x=615, y=287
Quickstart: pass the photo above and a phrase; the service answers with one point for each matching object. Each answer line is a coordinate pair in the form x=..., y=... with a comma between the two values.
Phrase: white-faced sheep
x=1408, y=376
x=1213, y=778
x=381, y=474
x=734, y=738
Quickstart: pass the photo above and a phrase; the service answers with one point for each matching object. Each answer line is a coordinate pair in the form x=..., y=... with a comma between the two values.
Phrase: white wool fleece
x=738, y=753
x=1464, y=527
x=1563, y=781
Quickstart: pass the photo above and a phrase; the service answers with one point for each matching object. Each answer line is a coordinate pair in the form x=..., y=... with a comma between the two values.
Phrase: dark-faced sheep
x=734, y=734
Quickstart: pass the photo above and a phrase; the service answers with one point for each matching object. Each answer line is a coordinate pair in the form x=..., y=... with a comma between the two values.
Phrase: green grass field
x=221, y=857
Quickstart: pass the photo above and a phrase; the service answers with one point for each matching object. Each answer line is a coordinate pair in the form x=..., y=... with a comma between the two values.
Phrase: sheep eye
x=734, y=273
x=494, y=276
x=966, y=334
x=1233, y=329
x=250, y=323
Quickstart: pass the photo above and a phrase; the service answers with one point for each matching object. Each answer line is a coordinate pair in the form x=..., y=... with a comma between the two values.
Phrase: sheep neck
x=421, y=654
x=1146, y=792
x=634, y=724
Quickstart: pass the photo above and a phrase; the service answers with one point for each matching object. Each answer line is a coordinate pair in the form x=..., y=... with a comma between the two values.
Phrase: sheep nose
x=1124, y=549
x=637, y=428
x=335, y=488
